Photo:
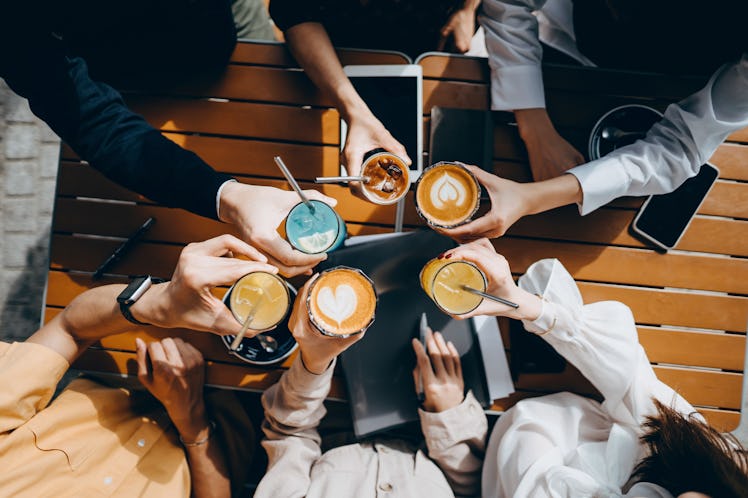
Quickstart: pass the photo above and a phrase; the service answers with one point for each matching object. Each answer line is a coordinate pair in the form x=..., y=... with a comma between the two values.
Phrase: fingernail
x=448, y=256
x=440, y=256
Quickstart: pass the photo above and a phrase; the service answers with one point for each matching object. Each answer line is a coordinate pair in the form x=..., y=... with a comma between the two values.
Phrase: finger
x=445, y=354
x=141, y=354
x=455, y=355
x=173, y=356
x=319, y=196
x=422, y=361
x=397, y=148
x=157, y=354
x=225, y=323
x=191, y=356
x=227, y=271
x=442, y=41
x=353, y=157
x=225, y=244
x=485, y=226
x=288, y=257
x=435, y=355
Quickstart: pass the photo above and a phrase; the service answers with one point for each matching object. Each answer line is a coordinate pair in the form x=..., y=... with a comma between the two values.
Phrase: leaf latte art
x=447, y=190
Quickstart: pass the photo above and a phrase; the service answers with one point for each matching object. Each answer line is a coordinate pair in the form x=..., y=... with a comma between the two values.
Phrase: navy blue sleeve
x=93, y=119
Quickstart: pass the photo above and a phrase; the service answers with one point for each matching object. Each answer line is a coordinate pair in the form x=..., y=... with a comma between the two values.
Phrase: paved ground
x=28, y=169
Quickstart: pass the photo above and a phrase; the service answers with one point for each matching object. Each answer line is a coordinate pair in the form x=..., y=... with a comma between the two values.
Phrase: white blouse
x=672, y=151
x=565, y=445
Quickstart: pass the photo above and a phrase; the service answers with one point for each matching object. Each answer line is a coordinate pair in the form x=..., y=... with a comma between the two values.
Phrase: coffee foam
x=342, y=302
x=447, y=195
x=383, y=188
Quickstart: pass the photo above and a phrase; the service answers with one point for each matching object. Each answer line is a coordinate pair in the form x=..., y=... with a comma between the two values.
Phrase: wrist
x=532, y=123
x=471, y=5
x=192, y=425
x=231, y=198
x=316, y=366
x=151, y=308
x=530, y=305
x=352, y=108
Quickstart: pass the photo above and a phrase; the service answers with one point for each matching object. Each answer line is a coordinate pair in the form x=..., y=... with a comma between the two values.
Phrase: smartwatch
x=138, y=286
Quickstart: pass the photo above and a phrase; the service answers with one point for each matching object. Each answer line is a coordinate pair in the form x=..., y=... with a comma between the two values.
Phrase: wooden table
x=691, y=305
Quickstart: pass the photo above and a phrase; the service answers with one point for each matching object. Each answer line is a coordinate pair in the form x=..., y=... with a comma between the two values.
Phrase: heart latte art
x=338, y=305
x=447, y=195
x=341, y=302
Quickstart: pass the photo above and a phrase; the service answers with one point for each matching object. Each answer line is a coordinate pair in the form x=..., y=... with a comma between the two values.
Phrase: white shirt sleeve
x=601, y=340
x=674, y=148
x=514, y=53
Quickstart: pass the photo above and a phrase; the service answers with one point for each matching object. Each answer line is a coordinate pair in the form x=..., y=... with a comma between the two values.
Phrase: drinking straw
x=250, y=316
x=490, y=296
x=293, y=183
x=338, y=179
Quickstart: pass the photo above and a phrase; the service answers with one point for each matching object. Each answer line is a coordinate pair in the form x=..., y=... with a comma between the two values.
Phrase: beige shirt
x=455, y=441
x=91, y=441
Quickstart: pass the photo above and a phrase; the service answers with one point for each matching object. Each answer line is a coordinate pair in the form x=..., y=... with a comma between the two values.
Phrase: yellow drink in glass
x=442, y=280
x=264, y=291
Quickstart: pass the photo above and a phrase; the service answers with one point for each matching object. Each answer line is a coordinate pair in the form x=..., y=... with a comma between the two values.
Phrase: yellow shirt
x=91, y=441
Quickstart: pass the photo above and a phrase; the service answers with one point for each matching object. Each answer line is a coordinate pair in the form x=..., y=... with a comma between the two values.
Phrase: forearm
x=208, y=470
x=456, y=441
x=550, y=194
x=92, y=316
x=314, y=52
x=293, y=409
x=674, y=148
x=93, y=119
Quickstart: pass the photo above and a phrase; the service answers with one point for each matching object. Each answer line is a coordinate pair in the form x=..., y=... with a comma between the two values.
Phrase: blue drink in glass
x=315, y=232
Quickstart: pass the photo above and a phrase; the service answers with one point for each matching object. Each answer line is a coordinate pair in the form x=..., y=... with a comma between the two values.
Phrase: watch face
x=136, y=288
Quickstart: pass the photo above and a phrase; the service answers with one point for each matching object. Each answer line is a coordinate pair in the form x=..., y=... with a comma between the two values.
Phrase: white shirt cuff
x=218, y=197
x=602, y=181
x=519, y=87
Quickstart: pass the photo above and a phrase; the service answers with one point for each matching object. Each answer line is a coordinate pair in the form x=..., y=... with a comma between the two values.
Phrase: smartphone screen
x=663, y=218
x=394, y=101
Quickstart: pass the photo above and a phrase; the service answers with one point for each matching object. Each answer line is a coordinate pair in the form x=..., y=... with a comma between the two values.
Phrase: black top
x=411, y=26
x=666, y=36
x=92, y=118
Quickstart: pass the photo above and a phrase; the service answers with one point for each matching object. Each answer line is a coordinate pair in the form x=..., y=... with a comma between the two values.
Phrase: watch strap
x=126, y=301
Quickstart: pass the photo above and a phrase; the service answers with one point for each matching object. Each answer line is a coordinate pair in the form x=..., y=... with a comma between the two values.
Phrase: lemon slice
x=318, y=242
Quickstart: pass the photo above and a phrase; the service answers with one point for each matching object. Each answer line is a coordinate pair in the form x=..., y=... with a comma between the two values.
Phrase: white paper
x=498, y=376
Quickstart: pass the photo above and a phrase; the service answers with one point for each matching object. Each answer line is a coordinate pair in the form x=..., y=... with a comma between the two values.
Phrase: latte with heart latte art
x=447, y=195
x=341, y=302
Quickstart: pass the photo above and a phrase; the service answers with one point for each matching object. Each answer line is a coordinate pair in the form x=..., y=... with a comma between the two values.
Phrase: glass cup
x=389, y=178
x=315, y=232
x=261, y=296
x=442, y=280
x=341, y=302
x=447, y=195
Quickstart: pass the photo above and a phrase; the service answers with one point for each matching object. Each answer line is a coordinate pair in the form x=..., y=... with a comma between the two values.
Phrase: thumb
x=319, y=196
x=396, y=148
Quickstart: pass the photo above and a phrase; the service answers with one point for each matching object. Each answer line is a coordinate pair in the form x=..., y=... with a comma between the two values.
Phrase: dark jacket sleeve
x=93, y=119
x=288, y=13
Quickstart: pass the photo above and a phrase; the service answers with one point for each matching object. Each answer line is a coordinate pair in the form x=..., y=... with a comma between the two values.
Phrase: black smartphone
x=662, y=220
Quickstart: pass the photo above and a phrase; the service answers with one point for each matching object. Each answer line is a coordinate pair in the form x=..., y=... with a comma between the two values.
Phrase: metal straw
x=293, y=183
x=338, y=179
x=250, y=316
x=490, y=296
